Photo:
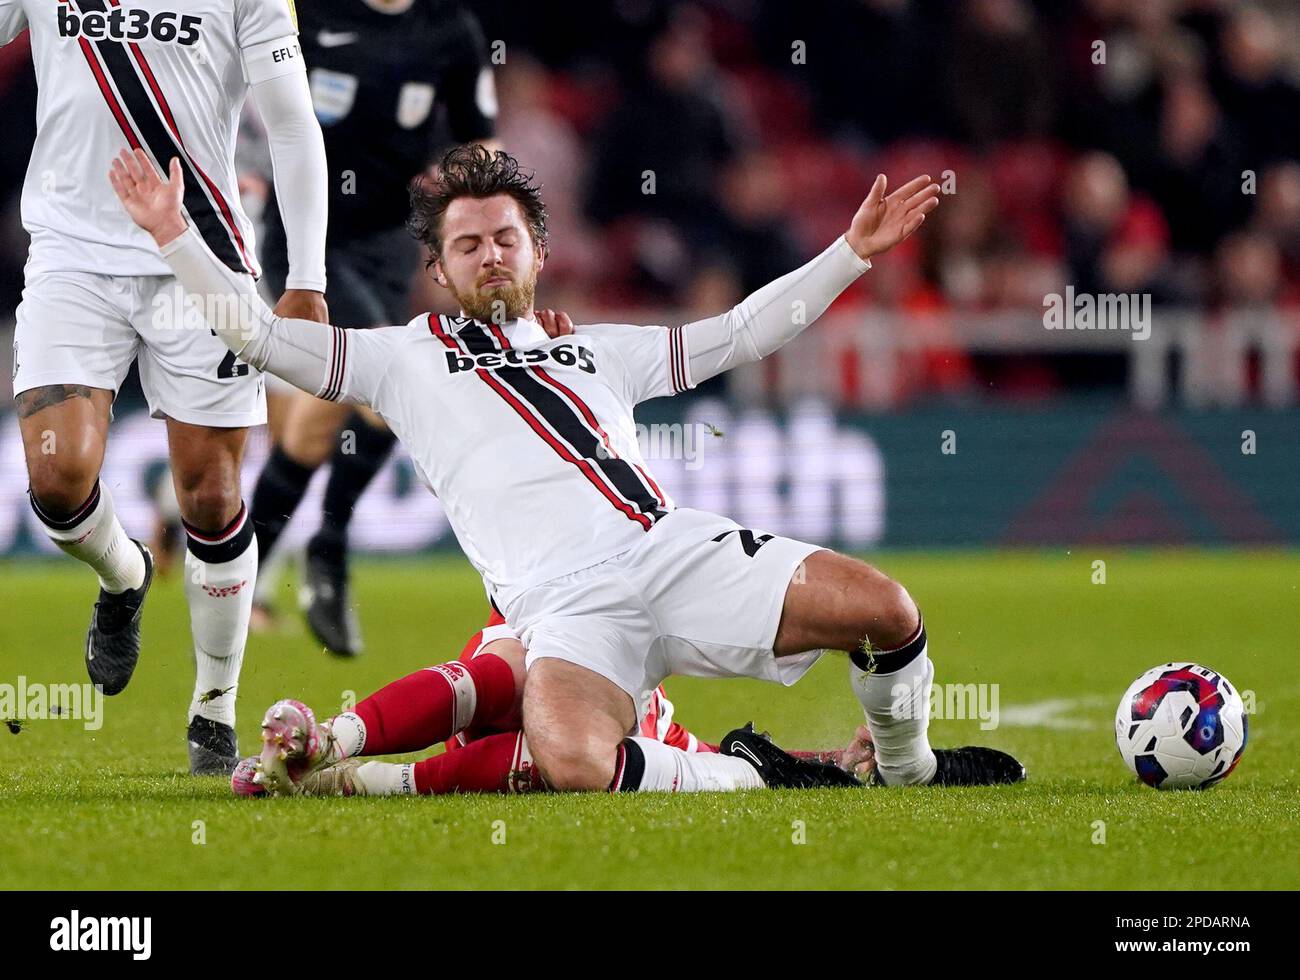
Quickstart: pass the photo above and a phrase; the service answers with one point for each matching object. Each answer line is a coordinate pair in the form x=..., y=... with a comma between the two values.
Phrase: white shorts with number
x=698, y=596
x=80, y=328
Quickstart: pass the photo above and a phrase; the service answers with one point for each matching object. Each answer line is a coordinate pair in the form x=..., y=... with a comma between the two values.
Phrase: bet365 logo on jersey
x=130, y=24
x=566, y=355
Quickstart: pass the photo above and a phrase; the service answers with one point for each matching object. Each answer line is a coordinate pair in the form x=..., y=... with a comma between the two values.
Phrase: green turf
x=113, y=809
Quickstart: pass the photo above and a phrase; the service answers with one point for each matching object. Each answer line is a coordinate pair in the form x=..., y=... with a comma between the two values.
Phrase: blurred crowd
x=1112, y=145
x=690, y=152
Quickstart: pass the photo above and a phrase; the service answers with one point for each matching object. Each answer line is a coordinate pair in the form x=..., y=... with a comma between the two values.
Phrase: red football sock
x=496, y=764
x=434, y=704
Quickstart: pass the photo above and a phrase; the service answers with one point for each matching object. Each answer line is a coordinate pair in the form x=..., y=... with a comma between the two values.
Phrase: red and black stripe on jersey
x=562, y=420
x=336, y=371
x=143, y=114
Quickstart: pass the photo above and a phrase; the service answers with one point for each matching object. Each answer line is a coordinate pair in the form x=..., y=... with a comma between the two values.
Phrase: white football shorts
x=81, y=328
x=698, y=596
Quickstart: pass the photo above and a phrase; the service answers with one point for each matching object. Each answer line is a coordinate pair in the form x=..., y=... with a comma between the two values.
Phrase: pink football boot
x=293, y=747
x=245, y=780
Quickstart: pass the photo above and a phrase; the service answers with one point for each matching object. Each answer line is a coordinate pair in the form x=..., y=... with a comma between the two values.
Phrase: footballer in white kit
x=527, y=441
x=170, y=80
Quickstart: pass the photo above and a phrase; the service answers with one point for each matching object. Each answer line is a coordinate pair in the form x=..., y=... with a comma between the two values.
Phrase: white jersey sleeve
x=652, y=358
x=667, y=361
x=366, y=356
x=12, y=20
x=266, y=33
x=301, y=173
x=264, y=20
x=323, y=360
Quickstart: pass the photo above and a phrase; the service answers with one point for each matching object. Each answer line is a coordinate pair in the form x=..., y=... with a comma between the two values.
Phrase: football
x=1181, y=726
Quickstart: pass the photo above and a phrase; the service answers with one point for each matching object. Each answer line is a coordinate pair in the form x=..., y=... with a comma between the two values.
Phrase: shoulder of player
x=379, y=348
x=618, y=337
x=612, y=331
x=628, y=344
x=394, y=335
x=265, y=13
x=244, y=6
x=423, y=325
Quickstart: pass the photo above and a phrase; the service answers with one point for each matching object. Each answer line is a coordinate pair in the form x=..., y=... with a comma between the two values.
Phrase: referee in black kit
x=383, y=73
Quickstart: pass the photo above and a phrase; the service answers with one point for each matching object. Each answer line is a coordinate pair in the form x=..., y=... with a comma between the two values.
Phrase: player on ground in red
x=472, y=704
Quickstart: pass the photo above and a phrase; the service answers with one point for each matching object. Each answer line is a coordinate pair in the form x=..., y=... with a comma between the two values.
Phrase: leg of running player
x=220, y=573
x=271, y=562
x=300, y=443
x=307, y=435
x=313, y=430
x=359, y=453
x=64, y=430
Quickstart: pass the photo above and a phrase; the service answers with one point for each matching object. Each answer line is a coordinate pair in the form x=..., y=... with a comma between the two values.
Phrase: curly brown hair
x=473, y=171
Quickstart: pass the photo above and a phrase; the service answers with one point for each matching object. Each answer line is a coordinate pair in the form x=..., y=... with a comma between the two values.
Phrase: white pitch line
x=1053, y=713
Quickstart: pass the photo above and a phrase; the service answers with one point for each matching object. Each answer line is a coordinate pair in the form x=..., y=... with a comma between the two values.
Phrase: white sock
x=648, y=765
x=387, y=778
x=349, y=735
x=897, y=705
x=220, y=574
x=94, y=535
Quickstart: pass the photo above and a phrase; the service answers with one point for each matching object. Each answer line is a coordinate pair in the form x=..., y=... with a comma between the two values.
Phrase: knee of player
x=209, y=502
x=572, y=767
x=60, y=482
x=894, y=616
x=311, y=447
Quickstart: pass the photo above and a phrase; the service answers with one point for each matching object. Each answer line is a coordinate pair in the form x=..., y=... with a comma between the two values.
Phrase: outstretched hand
x=152, y=201
x=882, y=222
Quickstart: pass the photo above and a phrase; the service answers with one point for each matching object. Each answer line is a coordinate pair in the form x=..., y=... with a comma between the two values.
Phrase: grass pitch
x=114, y=808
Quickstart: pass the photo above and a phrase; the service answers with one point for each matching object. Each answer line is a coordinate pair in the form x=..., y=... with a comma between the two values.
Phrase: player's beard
x=497, y=304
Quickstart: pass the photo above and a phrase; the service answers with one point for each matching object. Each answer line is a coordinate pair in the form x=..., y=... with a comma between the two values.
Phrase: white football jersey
x=169, y=76
x=550, y=421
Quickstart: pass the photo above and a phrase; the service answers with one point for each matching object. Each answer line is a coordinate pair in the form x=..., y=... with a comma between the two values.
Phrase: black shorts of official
x=369, y=275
